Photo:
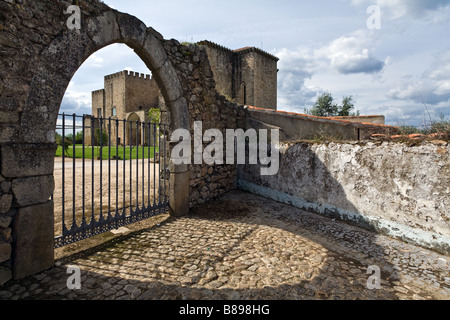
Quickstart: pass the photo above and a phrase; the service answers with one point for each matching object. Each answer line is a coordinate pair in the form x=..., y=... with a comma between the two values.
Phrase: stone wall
x=294, y=126
x=364, y=119
x=213, y=110
x=221, y=60
x=397, y=189
x=265, y=81
x=141, y=92
x=98, y=102
x=247, y=76
x=39, y=56
x=115, y=90
x=6, y=218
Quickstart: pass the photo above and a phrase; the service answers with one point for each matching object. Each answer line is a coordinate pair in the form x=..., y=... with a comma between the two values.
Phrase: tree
x=347, y=107
x=79, y=137
x=101, y=137
x=154, y=114
x=325, y=107
x=64, y=143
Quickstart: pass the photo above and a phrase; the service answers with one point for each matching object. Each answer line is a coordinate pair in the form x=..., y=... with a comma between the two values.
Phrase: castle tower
x=126, y=96
x=247, y=76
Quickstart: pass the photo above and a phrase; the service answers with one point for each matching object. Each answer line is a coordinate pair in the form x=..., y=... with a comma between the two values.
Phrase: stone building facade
x=125, y=92
x=247, y=76
x=127, y=96
x=35, y=33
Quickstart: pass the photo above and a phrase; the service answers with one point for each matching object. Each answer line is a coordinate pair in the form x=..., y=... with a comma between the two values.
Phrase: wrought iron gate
x=112, y=173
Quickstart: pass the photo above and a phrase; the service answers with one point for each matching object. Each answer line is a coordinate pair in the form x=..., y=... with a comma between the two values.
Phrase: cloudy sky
x=395, y=63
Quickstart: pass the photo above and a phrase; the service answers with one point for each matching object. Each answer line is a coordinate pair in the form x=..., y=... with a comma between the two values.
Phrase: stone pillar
x=34, y=240
x=179, y=187
x=179, y=190
x=26, y=212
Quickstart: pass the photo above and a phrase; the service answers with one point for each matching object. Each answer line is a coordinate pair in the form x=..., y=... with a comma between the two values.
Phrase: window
x=99, y=113
x=114, y=112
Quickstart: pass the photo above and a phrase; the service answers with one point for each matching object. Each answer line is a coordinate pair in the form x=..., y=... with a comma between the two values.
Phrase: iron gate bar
x=116, y=217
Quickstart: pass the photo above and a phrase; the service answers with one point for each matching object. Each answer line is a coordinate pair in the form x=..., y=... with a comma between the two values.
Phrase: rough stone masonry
x=39, y=56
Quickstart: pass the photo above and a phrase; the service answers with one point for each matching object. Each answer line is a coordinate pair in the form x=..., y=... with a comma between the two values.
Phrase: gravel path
x=246, y=247
x=137, y=182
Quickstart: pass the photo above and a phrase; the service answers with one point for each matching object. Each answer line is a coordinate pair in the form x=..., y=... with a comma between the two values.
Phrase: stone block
x=180, y=111
x=153, y=52
x=26, y=160
x=7, y=132
x=169, y=83
x=5, y=203
x=104, y=29
x=5, y=275
x=33, y=229
x=5, y=221
x=6, y=233
x=35, y=190
x=5, y=252
x=9, y=116
x=179, y=194
x=132, y=30
x=5, y=186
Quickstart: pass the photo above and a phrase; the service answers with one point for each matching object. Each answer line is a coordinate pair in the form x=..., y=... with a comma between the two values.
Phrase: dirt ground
x=100, y=188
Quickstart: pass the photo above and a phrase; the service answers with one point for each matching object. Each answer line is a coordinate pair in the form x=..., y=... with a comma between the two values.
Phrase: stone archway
x=40, y=54
x=29, y=158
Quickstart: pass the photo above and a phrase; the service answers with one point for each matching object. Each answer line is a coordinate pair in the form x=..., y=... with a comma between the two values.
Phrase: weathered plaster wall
x=392, y=188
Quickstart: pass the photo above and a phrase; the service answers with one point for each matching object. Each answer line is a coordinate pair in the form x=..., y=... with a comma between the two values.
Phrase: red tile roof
x=320, y=118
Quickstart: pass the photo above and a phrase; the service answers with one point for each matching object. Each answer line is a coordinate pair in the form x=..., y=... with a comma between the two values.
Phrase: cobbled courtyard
x=245, y=247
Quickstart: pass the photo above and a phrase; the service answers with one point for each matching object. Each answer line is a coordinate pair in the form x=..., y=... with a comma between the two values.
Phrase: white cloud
x=396, y=9
x=296, y=67
x=431, y=87
x=344, y=56
x=96, y=61
x=351, y=54
x=76, y=101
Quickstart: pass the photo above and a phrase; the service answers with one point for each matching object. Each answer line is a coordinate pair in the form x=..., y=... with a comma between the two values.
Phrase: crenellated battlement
x=240, y=51
x=98, y=92
x=246, y=75
x=137, y=75
x=214, y=46
x=114, y=75
x=127, y=73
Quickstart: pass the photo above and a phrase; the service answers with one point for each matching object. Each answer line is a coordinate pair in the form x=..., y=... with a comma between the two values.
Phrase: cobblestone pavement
x=246, y=247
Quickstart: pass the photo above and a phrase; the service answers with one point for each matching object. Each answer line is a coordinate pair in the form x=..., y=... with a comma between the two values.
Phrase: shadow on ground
x=241, y=247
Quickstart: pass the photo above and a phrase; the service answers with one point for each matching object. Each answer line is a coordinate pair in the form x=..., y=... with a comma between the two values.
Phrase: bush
x=60, y=141
x=101, y=137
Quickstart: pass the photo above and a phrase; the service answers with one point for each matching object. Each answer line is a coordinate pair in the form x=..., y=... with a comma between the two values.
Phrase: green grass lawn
x=122, y=152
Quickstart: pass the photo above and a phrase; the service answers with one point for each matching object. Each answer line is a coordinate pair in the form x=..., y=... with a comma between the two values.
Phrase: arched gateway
x=40, y=50
x=28, y=153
